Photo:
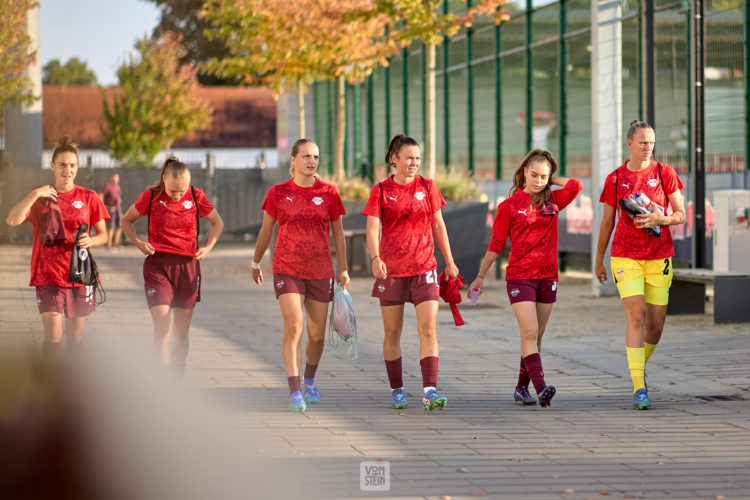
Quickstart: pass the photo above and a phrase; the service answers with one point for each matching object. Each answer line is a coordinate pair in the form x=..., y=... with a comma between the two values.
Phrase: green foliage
x=456, y=187
x=356, y=188
x=158, y=103
x=16, y=53
x=74, y=72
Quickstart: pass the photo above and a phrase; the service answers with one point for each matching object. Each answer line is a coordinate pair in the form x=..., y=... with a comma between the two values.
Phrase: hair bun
x=65, y=141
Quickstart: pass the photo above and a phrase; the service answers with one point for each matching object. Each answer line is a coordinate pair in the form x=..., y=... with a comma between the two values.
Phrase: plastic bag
x=342, y=325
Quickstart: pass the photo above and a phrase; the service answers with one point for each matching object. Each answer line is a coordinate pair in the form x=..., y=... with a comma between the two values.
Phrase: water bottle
x=646, y=203
x=474, y=295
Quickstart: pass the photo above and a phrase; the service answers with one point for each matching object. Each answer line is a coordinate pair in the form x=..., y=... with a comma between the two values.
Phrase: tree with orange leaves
x=16, y=53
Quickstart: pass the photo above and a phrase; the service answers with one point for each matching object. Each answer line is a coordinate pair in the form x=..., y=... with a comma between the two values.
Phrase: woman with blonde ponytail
x=171, y=271
x=529, y=218
x=53, y=246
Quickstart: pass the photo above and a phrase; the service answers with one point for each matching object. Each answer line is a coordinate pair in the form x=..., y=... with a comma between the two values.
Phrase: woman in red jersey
x=50, y=261
x=305, y=208
x=529, y=218
x=171, y=271
x=642, y=248
x=408, y=209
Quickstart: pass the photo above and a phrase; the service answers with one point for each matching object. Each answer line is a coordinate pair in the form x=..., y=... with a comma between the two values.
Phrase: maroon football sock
x=523, y=376
x=310, y=370
x=533, y=364
x=293, y=384
x=395, y=375
x=429, y=371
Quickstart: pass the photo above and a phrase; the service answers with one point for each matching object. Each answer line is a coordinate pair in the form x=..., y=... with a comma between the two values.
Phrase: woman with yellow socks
x=642, y=191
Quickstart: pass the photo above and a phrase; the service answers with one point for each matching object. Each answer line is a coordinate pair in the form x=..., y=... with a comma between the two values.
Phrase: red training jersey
x=173, y=225
x=630, y=241
x=532, y=231
x=50, y=264
x=406, y=244
x=304, y=214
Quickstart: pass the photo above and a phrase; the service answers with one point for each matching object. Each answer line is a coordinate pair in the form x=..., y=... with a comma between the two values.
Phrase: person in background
x=111, y=195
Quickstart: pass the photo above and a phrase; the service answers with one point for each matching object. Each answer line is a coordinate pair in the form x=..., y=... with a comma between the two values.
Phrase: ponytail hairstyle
x=635, y=125
x=65, y=145
x=295, y=151
x=539, y=199
x=398, y=142
x=172, y=167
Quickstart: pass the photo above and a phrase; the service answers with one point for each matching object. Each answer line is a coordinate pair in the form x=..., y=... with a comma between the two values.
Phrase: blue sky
x=100, y=32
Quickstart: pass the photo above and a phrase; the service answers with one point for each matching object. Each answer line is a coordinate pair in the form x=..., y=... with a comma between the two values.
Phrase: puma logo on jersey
x=163, y=202
x=523, y=212
x=290, y=198
x=317, y=200
x=420, y=195
x=78, y=204
x=626, y=186
x=394, y=198
x=187, y=204
x=653, y=182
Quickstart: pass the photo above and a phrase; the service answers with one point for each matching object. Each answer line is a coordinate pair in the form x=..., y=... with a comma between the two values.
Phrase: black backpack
x=83, y=270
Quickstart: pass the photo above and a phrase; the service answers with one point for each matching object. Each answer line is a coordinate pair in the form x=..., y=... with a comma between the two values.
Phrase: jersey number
x=431, y=276
x=666, y=267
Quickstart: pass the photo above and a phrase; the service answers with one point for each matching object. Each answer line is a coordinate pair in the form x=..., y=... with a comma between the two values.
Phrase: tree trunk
x=338, y=159
x=429, y=132
x=301, y=109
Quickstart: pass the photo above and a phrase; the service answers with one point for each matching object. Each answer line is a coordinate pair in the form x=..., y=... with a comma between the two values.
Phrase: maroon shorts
x=173, y=280
x=542, y=291
x=318, y=290
x=414, y=289
x=74, y=301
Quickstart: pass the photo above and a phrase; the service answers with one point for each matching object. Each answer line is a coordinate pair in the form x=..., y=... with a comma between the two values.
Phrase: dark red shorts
x=414, y=289
x=74, y=301
x=173, y=280
x=318, y=290
x=542, y=291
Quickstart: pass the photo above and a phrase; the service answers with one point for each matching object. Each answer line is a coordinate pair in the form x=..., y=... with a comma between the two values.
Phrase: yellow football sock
x=636, y=364
x=649, y=350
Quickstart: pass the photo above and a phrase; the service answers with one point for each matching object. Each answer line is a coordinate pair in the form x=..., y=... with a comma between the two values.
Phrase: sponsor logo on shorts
x=554, y=286
x=420, y=195
x=151, y=292
x=280, y=284
x=653, y=182
x=514, y=292
x=38, y=302
x=620, y=272
x=78, y=204
x=317, y=200
x=187, y=204
x=381, y=288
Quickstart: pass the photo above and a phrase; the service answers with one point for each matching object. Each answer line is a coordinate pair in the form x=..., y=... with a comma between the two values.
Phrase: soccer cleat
x=523, y=396
x=311, y=394
x=433, y=400
x=297, y=402
x=545, y=397
x=398, y=400
x=640, y=400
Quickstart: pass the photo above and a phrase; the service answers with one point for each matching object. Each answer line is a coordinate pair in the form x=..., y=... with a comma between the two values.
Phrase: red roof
x=242, y=117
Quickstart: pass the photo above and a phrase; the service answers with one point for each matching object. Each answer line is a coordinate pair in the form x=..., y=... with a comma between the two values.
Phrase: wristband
x=373, y=258
x=254, y=265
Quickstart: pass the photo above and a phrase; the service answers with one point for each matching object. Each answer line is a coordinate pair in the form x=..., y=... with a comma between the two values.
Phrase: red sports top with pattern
x=406, y=244
x=50, y=264
x=173, y=225
x=304, y=215
x=630, y=241
x=533, y=233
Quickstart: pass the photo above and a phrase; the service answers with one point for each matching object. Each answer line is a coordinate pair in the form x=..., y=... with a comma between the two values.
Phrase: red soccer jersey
x=533, y=233
x=406, y=244
x=50, y=264
x=173, y=224
x=630, y=241
x=303, y=240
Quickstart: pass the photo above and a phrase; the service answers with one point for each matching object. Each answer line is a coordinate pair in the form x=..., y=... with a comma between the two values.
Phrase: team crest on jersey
x=187, y=204
x=653, y=182
x=620, y=272
x=514, y=292
x=317, y=200
x=280, y=284
x=554, y=286
x=381, y=288
x=151, y=292
x=78, y=204
x=420, y=195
